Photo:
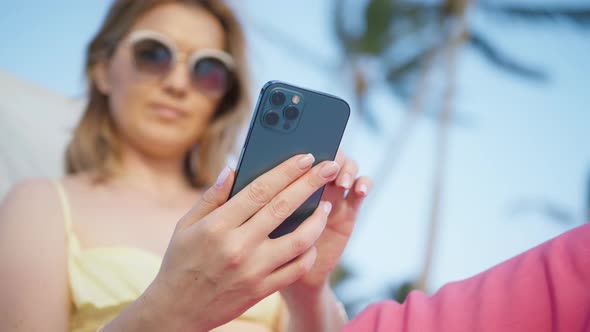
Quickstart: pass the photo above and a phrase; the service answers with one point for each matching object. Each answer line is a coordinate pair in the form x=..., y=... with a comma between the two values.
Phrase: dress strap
x=73, y=244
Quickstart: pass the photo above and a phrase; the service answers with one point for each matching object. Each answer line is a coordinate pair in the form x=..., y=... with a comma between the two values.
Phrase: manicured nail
x=222, y=176
x=363, y=189
x=327, y=207
x=329, y=170
x=346, y=181
x=305, y=161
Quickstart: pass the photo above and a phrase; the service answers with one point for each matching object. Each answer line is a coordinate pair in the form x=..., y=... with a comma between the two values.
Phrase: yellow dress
x=103, y=281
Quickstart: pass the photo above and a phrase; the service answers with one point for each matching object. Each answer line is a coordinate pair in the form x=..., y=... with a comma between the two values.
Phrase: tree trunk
x=402, y=134
x=457, y=30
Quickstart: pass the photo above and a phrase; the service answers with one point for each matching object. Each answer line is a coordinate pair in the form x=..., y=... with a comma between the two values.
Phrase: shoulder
x=33, y=202
x=37, y=191
x=32, y=224
x=32, y=244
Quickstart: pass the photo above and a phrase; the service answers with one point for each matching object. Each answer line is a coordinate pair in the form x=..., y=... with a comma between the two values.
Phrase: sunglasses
x=211, y=70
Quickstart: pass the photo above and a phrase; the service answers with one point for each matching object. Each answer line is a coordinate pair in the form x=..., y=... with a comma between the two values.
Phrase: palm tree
x=437, y=32
x=408, y=40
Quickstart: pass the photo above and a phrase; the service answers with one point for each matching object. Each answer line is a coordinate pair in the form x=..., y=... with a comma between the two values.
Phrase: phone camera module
x=271, y=118
x=291, y=112
x=278, y=98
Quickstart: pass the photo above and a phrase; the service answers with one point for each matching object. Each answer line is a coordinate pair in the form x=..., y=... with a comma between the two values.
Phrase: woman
x=112, y=243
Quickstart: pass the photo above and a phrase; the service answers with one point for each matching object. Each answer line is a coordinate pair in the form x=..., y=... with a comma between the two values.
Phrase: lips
x=168, y=112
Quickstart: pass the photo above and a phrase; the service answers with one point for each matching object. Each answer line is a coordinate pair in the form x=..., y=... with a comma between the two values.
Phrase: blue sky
x=523, y=140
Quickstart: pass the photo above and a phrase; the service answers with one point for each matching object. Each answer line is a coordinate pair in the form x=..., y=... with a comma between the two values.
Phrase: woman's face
x=163, y=115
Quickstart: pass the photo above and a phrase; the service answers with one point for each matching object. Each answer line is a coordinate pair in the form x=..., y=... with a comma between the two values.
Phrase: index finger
x=263, y=189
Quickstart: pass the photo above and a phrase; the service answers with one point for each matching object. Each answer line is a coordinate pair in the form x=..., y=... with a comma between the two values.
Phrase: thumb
x=211, y=199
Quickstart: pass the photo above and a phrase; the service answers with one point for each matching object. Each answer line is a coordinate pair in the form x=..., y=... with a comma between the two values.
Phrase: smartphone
x=290, y=120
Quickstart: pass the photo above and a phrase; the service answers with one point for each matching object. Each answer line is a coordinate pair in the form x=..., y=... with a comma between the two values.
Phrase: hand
x=220, y=260
x=333, y=240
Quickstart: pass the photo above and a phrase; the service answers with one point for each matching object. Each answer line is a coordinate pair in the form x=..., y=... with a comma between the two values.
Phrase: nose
x=177, y=82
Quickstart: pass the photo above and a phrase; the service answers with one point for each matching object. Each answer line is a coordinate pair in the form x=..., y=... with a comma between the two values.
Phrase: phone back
x=287, y=121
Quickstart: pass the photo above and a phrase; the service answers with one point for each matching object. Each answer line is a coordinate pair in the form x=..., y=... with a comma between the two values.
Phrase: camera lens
x=271, y=118
x=291, y=113
x=277, y=98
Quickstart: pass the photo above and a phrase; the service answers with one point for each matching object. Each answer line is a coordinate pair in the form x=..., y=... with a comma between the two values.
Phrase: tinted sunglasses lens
x=211, y=76
x=152, y=56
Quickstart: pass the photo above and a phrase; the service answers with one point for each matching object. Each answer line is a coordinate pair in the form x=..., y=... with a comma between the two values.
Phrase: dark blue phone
x=290, y=120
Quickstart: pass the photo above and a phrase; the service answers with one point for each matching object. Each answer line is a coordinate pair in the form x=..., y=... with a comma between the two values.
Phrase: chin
x=166, y=144
x=164, y=149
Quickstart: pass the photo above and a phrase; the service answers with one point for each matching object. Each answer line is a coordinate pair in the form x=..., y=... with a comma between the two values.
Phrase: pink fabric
x=544, y=289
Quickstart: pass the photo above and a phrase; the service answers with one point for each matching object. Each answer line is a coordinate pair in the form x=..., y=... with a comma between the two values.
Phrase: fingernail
x=327, y=207
x=363, y=189
x=305, y=161
x=329, y=170
x=222, y=176
x=346, y=181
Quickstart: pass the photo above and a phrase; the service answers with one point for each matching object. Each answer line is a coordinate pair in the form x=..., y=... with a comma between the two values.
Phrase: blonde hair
x=95, y=145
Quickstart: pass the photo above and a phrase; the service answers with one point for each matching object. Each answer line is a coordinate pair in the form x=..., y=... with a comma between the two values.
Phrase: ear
x=101, y=77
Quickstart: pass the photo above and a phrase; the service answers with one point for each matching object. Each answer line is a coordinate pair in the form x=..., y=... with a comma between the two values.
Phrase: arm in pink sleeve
x=544, y=289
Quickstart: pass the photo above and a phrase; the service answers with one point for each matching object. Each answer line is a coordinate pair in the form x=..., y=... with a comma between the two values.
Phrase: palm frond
x=401, y=76
x=543, y=207
x=578, y=16
x=378, y=18
x=400, y=293
x=502, y=61
x=385, y=22
x=340, y=274
x=345, y=40
x=413, y=64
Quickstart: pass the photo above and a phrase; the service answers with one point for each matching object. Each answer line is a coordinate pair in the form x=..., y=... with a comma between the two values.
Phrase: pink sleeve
x=544, y=289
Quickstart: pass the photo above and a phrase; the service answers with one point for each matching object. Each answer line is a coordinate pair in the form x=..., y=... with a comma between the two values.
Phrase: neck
x=159, y=176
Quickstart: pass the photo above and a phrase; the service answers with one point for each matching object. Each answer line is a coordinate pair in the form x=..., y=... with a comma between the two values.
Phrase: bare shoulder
x=41, y=194
x=32, y=210
x=29, y=198
x=32, y=244
x=30, y=186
